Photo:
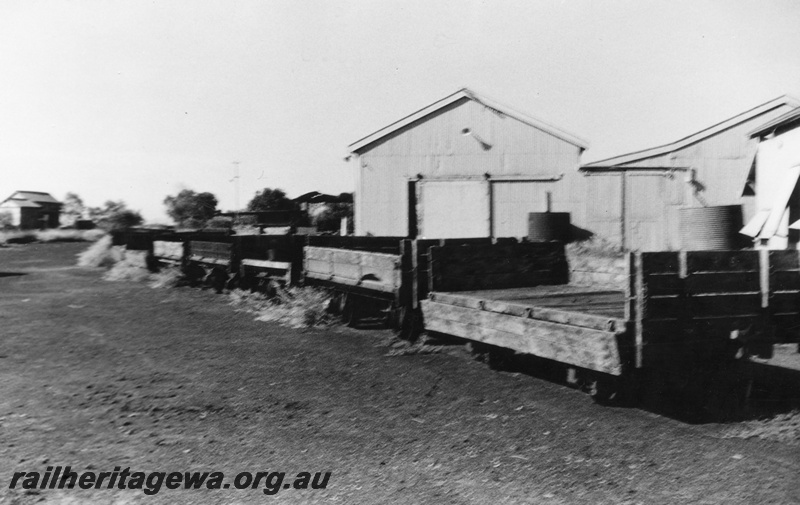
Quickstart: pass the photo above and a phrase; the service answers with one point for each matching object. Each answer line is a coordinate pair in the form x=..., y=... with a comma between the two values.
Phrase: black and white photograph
x=439, y=252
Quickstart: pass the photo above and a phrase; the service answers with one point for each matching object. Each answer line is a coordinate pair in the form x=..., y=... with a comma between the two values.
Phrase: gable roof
x=466, y=93
x=35, y=196
x=695, y=137
x=782, y=120
x=18, y=202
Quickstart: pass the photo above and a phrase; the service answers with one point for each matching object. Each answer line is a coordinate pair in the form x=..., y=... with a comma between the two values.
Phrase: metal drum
x=710, y=228
x=546, y=226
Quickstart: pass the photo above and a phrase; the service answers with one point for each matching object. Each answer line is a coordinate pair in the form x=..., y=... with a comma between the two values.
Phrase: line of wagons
x=682, y=316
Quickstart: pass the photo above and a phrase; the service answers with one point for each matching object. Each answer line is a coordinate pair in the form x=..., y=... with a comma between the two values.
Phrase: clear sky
x=136, y=100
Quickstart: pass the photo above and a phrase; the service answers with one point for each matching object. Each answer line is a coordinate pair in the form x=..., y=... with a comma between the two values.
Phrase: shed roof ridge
x=527, y=118
x=470, y=94
x=783, y=118
x=700, y=135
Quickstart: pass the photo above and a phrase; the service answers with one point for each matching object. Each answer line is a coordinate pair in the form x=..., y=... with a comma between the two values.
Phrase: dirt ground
x=97, y=374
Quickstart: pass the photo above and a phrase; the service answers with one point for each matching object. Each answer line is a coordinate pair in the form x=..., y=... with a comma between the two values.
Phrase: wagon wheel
x=603, y=391
x=233, y=281
x=349, y=314
x=244, y=282
x=217, y=280
x=270, y=288
x=390, y=316
x=194, y=274
x=619, y=391
x=410, y=324
x=397, y=315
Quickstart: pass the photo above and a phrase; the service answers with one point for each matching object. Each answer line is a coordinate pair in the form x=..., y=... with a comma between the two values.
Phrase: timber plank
x=490, y=281
x=534, y=292
x=728, y=282
x=533, y=312
x=784, y=281
x=784, y=303
x=703, y=306
x=784, y=260
x=722, y=261
x=590, y=349
x=659, y=263
x=664, y=284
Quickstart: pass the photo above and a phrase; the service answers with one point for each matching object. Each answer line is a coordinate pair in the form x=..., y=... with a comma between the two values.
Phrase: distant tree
x=220, y=222
x=115, y=216
x=108, y=209
x=188, y=208
x=271, y=199
x=6, y=220
x=72, y=208
x=330, y=219
x=122, y=220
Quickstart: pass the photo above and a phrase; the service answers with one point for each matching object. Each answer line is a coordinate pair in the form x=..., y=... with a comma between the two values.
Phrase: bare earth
x=97, y=374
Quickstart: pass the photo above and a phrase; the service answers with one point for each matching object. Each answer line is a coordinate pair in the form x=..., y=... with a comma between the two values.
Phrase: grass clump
x=132, y=267
x=101, y=254
x=295, y=307
x=595, y=247
x=122, y=265
x=405, y=348
x=166, y=278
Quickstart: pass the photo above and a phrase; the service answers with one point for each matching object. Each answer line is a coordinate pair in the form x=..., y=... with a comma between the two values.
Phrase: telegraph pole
x=236, y=185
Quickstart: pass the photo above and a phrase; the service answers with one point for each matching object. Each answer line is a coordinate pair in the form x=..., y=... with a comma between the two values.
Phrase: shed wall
x=721, y=164
x=465, y=139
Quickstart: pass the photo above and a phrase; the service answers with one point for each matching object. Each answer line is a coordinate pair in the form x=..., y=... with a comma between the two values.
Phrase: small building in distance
x=465, y=166
x=32, y=210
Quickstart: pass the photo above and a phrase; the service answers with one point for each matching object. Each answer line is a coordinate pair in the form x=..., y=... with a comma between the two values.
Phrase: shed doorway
x=453, y=209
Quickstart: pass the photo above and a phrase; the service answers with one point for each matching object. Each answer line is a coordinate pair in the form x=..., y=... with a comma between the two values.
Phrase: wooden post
x=630, y=288
x=640, y=306
x=763, y=271
x=414, y=274
x=432, y=260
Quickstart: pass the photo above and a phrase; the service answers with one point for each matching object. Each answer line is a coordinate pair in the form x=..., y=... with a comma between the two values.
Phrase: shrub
x=294, y=307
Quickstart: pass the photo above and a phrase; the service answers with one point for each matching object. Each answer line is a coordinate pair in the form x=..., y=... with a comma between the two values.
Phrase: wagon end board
x=279, y=270
x=164, y=250
x=368, y=270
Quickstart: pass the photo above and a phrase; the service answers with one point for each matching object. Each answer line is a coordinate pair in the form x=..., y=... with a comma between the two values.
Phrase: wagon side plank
x=583, y=347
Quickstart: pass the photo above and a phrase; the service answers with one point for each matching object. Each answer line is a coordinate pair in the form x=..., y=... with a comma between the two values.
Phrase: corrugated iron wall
x=720, y=163
x=652, y=200
x=465, y=139
x=604, y=200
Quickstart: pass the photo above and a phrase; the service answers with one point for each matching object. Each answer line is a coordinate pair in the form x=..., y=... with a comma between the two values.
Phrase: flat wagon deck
x=580, y=299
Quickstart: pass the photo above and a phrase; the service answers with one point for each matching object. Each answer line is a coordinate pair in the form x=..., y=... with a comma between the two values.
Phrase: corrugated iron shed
x=706, y=168
x=463, y=166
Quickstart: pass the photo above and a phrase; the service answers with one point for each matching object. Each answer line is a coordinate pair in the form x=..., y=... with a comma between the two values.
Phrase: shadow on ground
x=709, y=397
